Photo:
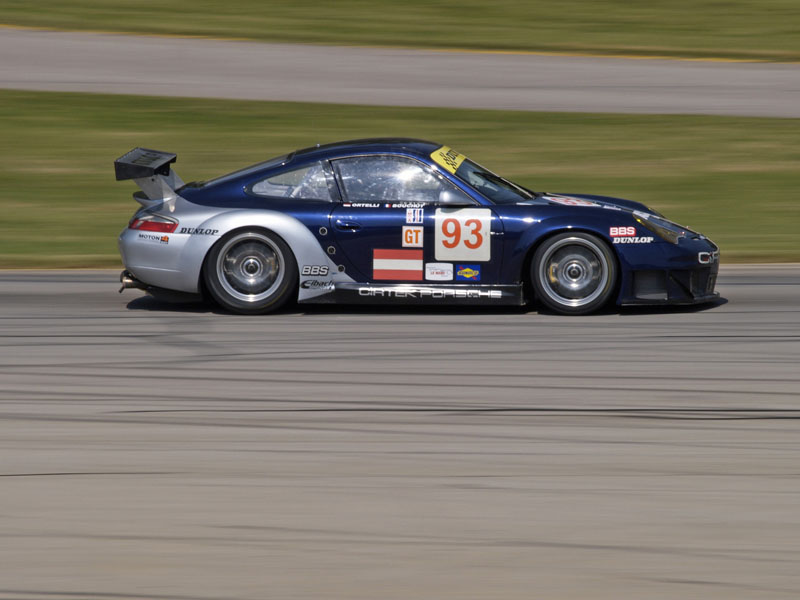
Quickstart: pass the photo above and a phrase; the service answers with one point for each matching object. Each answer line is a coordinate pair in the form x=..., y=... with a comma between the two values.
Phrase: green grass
x=735, y=179
x=766, y=29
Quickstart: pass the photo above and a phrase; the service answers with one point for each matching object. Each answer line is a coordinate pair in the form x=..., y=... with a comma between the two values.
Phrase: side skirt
x=409, y=293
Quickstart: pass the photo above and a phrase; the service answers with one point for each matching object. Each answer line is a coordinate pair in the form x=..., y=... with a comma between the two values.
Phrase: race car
x=399, y=221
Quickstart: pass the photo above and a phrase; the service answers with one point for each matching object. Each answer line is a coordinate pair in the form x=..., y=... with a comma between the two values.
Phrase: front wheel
x=250, y=271
x=573, y=273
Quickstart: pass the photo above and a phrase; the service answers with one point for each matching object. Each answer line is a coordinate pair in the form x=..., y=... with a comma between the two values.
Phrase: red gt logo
x=622, y=231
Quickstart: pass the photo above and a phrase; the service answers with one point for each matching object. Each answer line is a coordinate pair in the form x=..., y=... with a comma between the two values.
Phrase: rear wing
x=150, y=170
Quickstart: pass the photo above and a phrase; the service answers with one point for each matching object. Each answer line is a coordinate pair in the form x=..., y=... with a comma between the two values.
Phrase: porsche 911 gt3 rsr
x=399, y=221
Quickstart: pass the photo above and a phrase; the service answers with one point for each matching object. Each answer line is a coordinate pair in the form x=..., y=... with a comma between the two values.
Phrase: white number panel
x=463, y=234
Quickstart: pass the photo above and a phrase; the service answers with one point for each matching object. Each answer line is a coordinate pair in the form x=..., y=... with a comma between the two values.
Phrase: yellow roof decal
x=448, y=158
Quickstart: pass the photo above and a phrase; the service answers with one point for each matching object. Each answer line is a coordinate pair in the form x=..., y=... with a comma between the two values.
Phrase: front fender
x=599, y=223
x=535, y=233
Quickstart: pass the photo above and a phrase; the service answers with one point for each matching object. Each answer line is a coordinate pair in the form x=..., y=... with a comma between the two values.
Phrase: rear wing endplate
x=150, y=169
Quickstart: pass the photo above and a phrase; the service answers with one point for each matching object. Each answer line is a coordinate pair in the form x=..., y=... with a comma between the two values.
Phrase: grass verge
x=734, y=179
x=739, y=29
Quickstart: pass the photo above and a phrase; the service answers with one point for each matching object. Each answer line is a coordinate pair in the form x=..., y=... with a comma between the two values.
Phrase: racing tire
x=250, y=271
x=573, y=273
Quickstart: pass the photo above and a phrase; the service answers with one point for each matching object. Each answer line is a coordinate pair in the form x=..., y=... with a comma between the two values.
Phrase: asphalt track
x=158, y=451
x=126, y=64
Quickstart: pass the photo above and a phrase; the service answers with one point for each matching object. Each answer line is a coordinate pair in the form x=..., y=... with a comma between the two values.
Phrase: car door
x=401, y=222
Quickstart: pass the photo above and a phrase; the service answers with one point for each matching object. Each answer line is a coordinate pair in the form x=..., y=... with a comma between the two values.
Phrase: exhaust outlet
x=128, y=281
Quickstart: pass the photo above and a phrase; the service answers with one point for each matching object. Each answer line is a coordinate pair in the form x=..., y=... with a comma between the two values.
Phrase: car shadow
x=674, y=309
x=201, y=306
x=187, y=305
x=198, y=305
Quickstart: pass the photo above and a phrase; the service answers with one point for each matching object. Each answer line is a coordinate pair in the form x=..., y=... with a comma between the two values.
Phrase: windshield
x=494, y=187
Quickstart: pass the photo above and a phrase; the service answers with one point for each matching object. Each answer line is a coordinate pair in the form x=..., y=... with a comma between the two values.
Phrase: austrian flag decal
x=402, y=265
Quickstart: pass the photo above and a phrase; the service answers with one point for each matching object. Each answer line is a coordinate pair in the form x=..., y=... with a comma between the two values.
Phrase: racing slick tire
x=573, y=273
x=250, y=271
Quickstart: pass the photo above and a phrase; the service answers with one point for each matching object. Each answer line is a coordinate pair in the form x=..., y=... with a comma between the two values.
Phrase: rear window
x=310, y=182
x=272, y=162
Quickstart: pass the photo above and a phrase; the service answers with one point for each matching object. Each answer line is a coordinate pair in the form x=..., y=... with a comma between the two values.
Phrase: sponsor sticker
x=439, y=271
x=633, y=240
x=622, y=231
x=401, y=265
x=316, y=284
x=198, y=231
x=468, y=272
x=414, y=216
x=706, y=258
x=448, y=158
x=314, y=270
x=569, y=201
x=146, y=158
x=152, y=237
x=412, y=237
x=463, y=234
x=429, y=292
x=362, y=204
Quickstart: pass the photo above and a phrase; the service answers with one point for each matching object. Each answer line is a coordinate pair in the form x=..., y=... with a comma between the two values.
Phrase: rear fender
x=305, y=247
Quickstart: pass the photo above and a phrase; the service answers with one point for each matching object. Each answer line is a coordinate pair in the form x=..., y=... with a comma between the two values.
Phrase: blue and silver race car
x=399, y=221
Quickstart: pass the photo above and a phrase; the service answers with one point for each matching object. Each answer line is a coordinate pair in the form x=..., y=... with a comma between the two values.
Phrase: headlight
x=664, y=229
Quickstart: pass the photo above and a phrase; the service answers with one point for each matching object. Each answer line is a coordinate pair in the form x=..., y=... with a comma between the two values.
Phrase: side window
x=309, y=183
x=388, y=179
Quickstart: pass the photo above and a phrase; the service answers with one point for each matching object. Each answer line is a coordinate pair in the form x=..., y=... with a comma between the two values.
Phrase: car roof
x=414, y=147
x=409, y=145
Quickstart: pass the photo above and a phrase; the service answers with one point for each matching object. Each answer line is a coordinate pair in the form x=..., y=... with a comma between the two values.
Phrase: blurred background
x=156, y=451
x=733, y=178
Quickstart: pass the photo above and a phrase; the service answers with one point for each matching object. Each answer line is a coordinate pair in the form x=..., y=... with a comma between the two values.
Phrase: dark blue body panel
x=652, y=269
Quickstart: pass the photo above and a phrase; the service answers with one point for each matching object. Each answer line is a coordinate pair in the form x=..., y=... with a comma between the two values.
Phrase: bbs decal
x=314, y=270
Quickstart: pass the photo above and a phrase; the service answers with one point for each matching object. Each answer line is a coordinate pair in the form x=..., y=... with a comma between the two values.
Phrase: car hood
x=587, y=200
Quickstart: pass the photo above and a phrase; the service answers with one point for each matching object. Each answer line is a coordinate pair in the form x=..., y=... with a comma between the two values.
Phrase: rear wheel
x=573, y=273
x=250, y=271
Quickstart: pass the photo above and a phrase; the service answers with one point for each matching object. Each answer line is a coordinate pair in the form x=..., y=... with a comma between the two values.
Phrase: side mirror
x=455, y=198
